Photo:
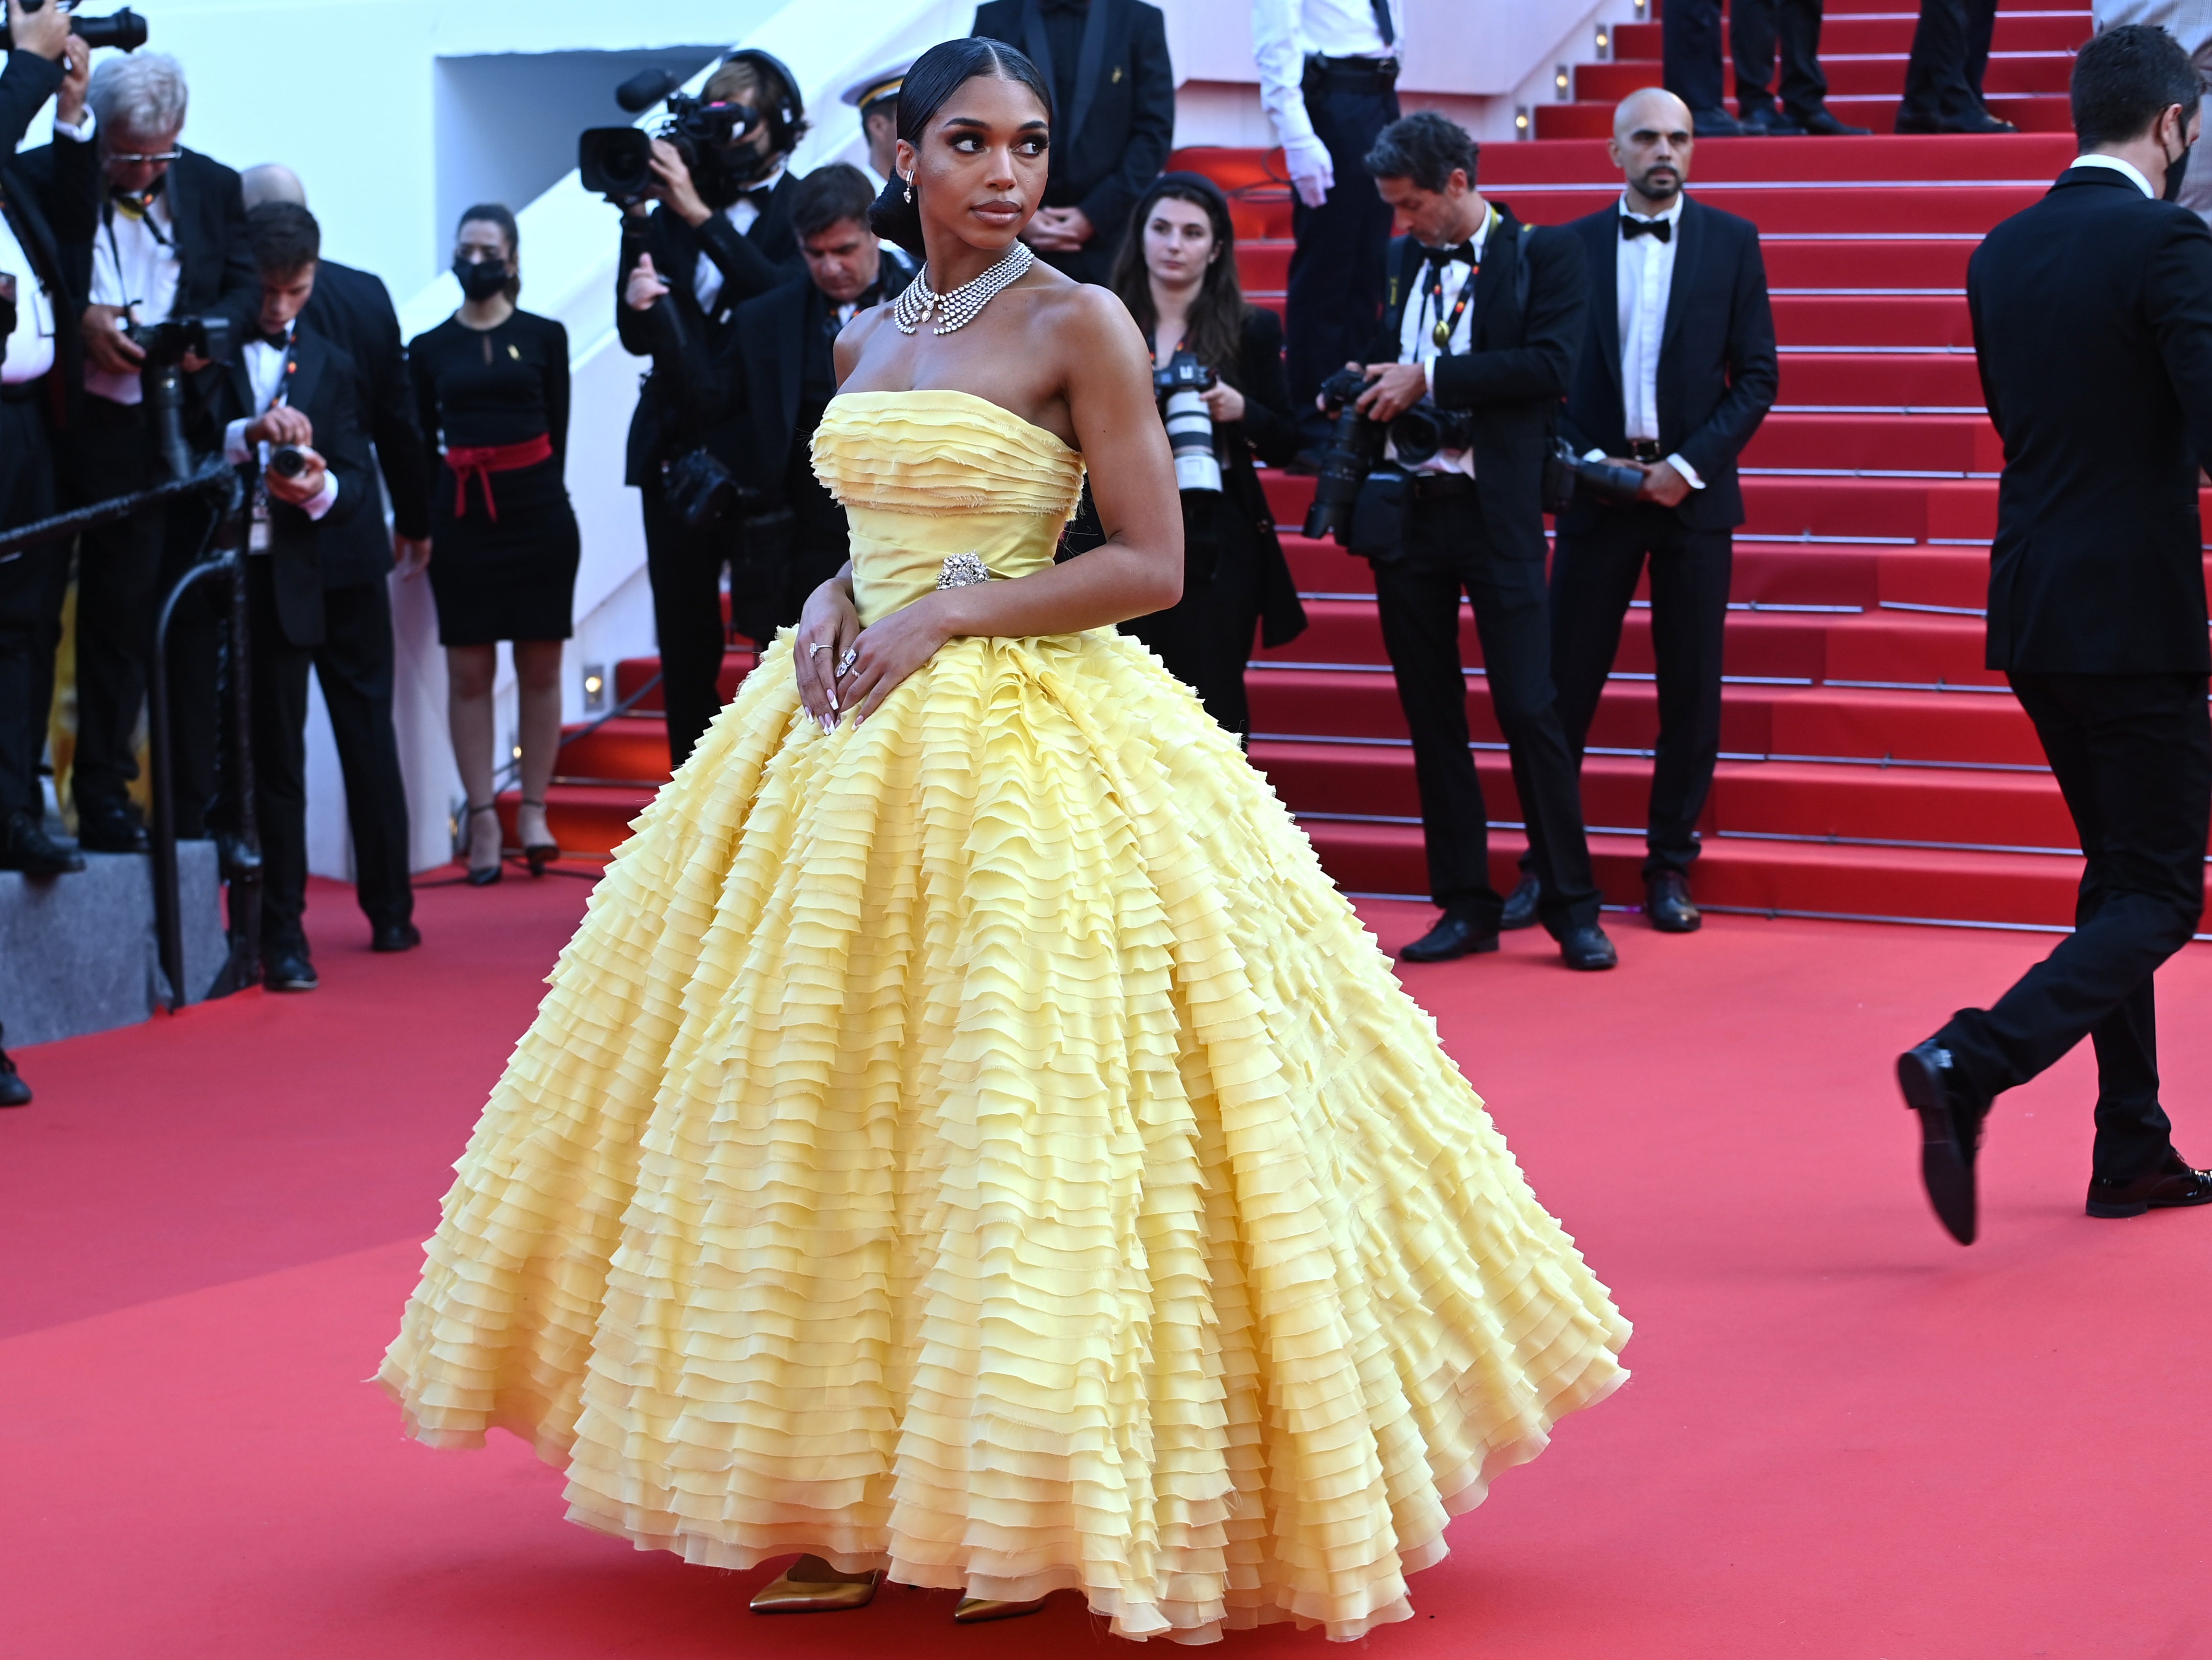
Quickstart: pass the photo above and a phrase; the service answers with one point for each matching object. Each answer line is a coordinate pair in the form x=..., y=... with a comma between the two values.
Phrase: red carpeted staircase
x=1871, y=767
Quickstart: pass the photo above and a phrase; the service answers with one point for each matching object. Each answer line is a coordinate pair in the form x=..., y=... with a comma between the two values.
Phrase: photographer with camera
x=1217, y=366
x=164, y=239
x=794, y=534
x=719, y=235
x=1675, y=422
x=1483, y=317
x=39, y=374
x=296, y=423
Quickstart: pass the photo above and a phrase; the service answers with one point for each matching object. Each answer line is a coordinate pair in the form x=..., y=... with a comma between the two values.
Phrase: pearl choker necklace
x=956, y=310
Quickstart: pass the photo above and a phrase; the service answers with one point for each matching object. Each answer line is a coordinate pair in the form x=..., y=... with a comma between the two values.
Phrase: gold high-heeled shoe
x=974, y=1610
x=785, y=1595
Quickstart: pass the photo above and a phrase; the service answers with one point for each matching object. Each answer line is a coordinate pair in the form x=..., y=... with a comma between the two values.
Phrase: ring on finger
x=851, y=656
x=823, y=646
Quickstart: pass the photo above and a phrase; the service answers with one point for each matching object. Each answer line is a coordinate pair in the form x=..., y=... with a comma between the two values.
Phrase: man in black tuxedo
x=42, y=367
x=1484, y=315
x=1677, y=371
x=316, y=561
x=1113, y=124
x=781, y=344
x=718, y=235
x=2093, y=325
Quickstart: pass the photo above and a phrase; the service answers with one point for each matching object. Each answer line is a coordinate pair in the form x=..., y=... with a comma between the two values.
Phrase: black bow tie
x=1440, y=257
x=282, y=342
x=1630, y=228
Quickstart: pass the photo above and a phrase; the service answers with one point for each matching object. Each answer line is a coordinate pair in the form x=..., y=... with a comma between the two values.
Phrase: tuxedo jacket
x=1525, y=336
x=2093, y=327
x=1113, y=139
x=348, y=544
x=353, y=309
x=751, y=263
x=1717, y=371
x=26, y=83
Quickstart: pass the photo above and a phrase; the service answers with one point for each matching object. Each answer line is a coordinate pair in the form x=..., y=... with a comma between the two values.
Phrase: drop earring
x=909, y=190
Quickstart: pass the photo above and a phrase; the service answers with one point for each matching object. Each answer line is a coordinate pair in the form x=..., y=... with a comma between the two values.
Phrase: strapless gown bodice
x=983, y=1145
x=929, y=476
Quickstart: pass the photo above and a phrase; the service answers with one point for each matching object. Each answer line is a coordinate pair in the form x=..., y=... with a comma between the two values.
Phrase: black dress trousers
x=1690, y=48
x=1594, y=575
x=1753, y=28
x=31, y=586
x=1446, y=549
x=2133, y=753
x=685, y=568
x=354, y=665
x=1334, y=290
x=119, y=592
x=1950, y=52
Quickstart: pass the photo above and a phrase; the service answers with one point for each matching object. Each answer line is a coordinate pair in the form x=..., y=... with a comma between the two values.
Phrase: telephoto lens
x=1181, y=385
x=1354, y=446
x=288, y=461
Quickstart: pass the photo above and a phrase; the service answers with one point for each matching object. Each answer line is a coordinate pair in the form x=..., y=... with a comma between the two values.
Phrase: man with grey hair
x=169, y=242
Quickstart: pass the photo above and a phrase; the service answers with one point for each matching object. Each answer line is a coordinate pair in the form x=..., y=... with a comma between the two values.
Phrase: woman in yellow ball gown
x=969, y=1140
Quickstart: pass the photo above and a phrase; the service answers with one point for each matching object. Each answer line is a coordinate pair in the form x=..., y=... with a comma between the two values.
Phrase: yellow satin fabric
x=985, y=1146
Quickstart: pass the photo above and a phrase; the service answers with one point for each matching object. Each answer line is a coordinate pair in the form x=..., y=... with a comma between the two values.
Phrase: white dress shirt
x=2128, y=168
x=31, y=346
x=745, y=214
x=1643, y=275
x=1286, y=32
x=264, y=371
x=135, y=265
x=1417, y=340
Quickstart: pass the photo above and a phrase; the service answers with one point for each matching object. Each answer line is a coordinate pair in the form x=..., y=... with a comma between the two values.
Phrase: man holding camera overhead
x=719, y=233
x=1482, y=318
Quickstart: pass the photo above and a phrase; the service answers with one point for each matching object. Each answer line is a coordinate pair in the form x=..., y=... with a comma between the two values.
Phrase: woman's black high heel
x=482, y=876
x=540, y=853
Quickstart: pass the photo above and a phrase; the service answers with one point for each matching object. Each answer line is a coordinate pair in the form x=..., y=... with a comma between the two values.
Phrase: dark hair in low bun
x=936, y=76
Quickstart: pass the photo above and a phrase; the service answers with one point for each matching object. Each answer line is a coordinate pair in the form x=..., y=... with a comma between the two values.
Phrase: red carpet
x=1846, y=1438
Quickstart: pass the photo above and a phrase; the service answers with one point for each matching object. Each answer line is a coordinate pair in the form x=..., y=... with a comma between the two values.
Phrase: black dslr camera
x=1567, y=474
x=1355, y=445
x=618, y=161
x=166, y=345
x=124, y=30
x=1180, y=385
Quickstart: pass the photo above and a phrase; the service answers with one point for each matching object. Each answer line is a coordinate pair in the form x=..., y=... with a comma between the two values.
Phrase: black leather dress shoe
x=1770, y=123
x=1821, y=124
x=14, y=1092
x=2169, y=1188
x=289, y=970
x=26, y=846
x=1715, y=123
x=1521, y=904
x=1587, y=949
x=109, y=827
x=1452, y=937
x=1667, y=901
x=395, y=936
x=1981, y=121
x=1950, y=1134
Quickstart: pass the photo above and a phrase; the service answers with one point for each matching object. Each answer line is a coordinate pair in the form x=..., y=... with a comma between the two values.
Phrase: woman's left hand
x=1224, y=402
x=888, y=651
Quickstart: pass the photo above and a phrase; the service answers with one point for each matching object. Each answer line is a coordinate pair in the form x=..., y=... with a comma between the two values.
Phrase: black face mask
x=2175, y=171
x=480, y=279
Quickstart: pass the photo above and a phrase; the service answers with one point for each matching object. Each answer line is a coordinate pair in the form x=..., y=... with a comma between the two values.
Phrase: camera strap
x=257, y=532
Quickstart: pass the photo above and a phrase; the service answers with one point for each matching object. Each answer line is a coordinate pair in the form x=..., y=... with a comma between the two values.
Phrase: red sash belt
x=483, y=460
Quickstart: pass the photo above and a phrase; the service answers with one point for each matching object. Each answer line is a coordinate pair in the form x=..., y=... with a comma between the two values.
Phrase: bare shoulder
x=852, y=339
x=1090, y=318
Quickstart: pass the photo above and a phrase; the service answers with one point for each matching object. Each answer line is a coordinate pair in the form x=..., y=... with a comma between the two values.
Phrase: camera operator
x=781, y=343
x=168, y=239
x=316, y=561
x=41, y=370
x=1113, y=120
x=1177, y=276
x=1680, y=420
x=720, y=234
x=1483, y=315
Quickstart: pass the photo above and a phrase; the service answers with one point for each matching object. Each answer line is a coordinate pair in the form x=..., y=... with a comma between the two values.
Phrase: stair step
x=632, y=673
x=1892, y=32
x=1849, y=75
x=2038, y=113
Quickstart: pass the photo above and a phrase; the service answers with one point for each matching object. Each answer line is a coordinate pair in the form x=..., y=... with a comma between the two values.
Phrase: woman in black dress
x=492, y=385
x=1177, y=275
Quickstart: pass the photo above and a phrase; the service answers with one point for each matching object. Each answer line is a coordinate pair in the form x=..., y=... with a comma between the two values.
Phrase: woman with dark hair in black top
x=492, y=384
x=1177, y=275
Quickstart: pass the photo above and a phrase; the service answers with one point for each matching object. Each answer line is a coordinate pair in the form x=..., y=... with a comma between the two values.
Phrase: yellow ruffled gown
x=983, y=1145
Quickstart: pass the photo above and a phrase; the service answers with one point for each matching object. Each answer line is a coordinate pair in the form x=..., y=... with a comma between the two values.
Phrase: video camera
x=124, y=30
x=618, y=161
x=1356, y=447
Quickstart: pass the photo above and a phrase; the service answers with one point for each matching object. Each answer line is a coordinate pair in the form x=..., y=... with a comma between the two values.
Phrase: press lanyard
x=1442, y=333
x=257, y=535
x=130, y=301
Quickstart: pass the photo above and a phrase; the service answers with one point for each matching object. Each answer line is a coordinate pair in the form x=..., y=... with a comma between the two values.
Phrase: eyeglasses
x=159, y=155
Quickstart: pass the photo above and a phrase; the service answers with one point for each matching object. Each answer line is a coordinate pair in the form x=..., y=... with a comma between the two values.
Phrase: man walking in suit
x=1328, y=78
x=2093, y=325
x=1943, y=76
x=1483, y=315
x=1113, y=89
x=316, y=561
x=1677, y=371
x=782, y=341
